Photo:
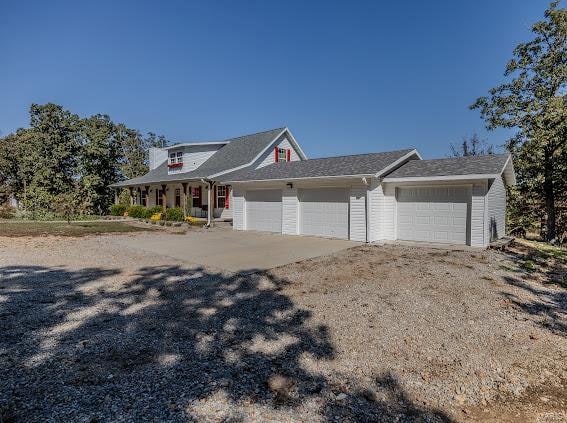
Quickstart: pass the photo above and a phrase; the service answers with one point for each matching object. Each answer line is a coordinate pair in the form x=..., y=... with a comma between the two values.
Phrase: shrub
x=7, y=211
x=155, y=217
x=117, y=209
x=174, y=214
x=65, y=205
x=153, y=210
x=136, y=211
x=190, y=220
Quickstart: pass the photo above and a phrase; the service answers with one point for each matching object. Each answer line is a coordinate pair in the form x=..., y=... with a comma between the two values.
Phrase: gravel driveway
x=94, y=331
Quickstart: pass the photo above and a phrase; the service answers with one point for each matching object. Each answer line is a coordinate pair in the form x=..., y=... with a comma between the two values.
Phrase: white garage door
x=434, y=214
x=264, y=210
x=324, y=212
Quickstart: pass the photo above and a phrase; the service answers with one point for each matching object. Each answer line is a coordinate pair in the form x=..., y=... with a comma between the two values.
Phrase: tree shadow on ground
x=385, y=401
x=549, y=309
x=542, y=274
x=169, y=344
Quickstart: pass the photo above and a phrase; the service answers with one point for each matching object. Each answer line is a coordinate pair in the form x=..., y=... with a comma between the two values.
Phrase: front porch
x=194, y=197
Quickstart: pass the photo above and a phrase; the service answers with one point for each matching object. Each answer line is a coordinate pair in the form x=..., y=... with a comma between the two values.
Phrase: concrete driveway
x=235, y=251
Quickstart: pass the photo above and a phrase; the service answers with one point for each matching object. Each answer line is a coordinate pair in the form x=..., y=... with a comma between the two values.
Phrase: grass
x=75, y=229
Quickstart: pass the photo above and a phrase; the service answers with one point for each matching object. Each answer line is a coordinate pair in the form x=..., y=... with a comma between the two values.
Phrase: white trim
x=296, y=144
x=509, y=163
x=253, y=160
x=441, y=178
x=301, y=178
x=397, y=162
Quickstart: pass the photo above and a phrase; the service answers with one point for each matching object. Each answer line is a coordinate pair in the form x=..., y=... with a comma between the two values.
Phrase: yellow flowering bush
x=156, y=216
x=125, y=214
x=190, y=219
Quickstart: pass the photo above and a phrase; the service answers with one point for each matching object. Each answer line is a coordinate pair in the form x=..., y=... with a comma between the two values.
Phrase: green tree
x=471, y=146
x=534, y=102
x=99, y=158
x=54, y=147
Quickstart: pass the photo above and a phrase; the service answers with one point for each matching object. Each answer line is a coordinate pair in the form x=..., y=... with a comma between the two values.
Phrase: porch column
x=184, y=198
x=210, y=207
x=131, y=195
x=116, y=195
x=164, y=196
x=147, y=187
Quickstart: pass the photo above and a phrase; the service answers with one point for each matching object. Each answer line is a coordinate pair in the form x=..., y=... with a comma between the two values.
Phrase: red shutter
x=288, y=155
x=215, y=196
x=227, y=198
x=276, y=154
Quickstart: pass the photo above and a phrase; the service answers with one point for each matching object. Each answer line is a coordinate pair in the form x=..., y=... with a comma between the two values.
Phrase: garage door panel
x=435, y=214
x=324, y=212
x=264, y=210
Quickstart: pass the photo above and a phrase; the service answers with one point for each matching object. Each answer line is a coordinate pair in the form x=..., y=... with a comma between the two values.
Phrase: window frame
x=179, y=155
x=280, y=151
x=221, y=196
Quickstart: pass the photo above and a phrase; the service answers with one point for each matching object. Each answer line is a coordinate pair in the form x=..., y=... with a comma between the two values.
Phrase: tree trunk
x=549, y=195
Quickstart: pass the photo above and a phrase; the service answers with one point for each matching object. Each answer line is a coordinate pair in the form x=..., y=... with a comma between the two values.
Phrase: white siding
x=238, y=208
x=290, y=212
x=387, y=213
x=478, y=215
x=496, y=207
x=269, y=156
x=193, y=157
x=374, y=196
x=156, y=157
x=357, y=214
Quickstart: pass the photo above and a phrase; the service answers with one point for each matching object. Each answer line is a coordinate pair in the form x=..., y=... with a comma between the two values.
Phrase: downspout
x=366, y=206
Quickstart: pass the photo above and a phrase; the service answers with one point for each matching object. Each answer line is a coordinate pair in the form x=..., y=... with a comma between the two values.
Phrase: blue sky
x=345, y=77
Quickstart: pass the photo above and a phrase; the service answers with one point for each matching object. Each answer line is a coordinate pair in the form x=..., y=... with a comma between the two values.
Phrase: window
x=145, y=198
x=159, y=197
x=177, y=197
x=196, y=194
x=171, y=158
x=221, y=196
x=180, y=157
x=282, y=155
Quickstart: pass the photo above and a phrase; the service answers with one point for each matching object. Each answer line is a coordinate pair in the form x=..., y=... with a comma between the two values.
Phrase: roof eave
x=442, y=178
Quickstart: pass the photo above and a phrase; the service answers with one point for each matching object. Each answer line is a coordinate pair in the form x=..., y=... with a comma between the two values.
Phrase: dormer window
x=175, y=159
x=282, y=154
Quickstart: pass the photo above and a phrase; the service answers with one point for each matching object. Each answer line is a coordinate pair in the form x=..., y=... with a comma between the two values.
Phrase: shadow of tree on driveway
x=91, y=345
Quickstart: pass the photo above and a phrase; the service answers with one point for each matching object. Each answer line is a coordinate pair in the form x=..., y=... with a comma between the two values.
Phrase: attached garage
x=264, y=210
x=324, y=212
x=433, y=214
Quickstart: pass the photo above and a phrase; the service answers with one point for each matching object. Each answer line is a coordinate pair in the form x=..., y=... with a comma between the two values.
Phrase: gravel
x=90, y=331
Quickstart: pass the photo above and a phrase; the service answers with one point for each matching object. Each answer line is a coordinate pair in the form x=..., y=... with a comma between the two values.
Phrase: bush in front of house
x=136, y=211
x=174, y=214
x=152, y=211
x=118, y=209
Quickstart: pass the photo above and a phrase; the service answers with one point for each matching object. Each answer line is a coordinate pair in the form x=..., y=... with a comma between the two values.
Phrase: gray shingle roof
x=238, y=152
x=455, y=166
x=360, y=164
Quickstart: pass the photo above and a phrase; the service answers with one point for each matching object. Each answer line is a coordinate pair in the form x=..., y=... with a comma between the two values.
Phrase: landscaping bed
x=73, y=229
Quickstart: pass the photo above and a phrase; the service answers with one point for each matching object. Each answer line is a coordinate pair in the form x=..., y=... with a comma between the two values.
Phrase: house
x=265, y=182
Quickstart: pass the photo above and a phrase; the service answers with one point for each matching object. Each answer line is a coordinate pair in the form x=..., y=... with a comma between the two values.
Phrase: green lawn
x=75, y=229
